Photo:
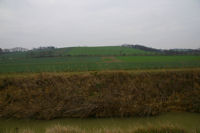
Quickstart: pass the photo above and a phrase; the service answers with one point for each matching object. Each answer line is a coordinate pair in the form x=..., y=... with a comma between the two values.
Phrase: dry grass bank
x=99, y=94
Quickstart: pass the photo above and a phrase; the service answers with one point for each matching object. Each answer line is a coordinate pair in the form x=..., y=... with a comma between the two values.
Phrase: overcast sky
x=64, y=23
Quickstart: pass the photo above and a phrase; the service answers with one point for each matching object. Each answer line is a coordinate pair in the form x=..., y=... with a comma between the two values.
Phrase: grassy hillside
x=106, y=50
x=78, y=51
x=84, y=51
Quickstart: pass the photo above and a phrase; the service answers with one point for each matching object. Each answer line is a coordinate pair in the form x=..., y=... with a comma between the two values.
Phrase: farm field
x=190, y=122
x=95, y=63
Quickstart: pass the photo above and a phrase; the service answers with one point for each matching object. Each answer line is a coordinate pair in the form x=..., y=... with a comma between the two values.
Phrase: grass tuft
x=62, y=129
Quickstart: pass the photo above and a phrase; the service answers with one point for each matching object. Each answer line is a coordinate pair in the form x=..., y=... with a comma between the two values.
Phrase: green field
x=19, y=63
x=188, y=121
x=91, y=59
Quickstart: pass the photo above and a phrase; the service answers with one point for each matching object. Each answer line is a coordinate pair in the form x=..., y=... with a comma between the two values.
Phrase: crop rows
x=92, y=63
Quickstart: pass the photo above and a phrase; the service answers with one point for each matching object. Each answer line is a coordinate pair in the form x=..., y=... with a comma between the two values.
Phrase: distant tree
x=1, y=51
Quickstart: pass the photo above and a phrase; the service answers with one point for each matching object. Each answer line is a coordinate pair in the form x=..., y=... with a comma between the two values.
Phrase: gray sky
x=63, y=23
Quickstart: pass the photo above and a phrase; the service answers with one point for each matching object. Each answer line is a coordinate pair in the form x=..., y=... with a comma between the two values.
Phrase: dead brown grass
x=63, y=129
x=99, y=94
